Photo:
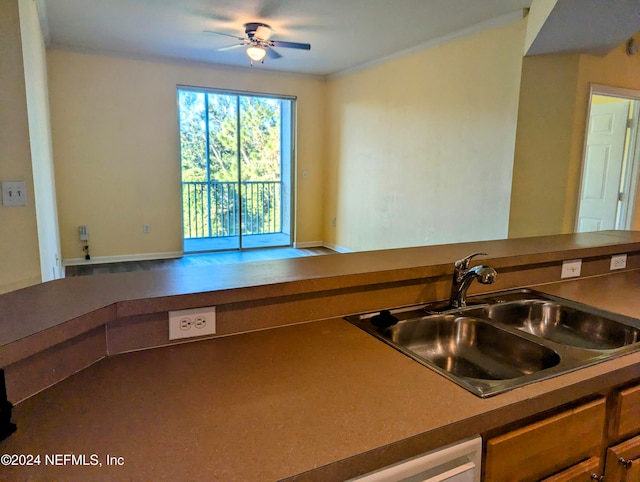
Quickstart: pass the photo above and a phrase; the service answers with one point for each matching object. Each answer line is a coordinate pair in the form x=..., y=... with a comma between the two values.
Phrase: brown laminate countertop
x=56, y=311
x=269, y=405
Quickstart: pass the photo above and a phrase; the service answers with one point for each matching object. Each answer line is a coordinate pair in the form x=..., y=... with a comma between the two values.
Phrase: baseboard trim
x=122, y=258
x=308, y=244
x=180, y=254
x=336, y=248
x=323, y=244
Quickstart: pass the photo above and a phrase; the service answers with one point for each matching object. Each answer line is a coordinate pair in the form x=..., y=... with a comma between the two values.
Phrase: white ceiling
x=591, y=26
x=343, y=34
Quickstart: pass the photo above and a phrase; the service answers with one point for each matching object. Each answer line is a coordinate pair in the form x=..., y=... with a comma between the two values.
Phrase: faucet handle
x=463, y=264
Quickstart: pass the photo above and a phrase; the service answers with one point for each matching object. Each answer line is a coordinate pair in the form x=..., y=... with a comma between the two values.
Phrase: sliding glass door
x=236, y=152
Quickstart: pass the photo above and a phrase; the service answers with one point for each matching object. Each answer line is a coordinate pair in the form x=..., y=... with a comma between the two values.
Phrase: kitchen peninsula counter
x=40, y=316
x=314, y=400
x=323, y=397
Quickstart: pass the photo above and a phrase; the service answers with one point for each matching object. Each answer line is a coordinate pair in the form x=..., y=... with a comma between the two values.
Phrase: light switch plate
x=571, y=268
x=14, y=193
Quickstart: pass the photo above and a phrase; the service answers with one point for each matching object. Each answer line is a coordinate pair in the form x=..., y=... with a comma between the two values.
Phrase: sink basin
x=470, y=348
x=504, y=340
x=563, y=324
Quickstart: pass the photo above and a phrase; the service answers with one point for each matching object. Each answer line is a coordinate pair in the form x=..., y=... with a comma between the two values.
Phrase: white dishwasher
x=458, y=462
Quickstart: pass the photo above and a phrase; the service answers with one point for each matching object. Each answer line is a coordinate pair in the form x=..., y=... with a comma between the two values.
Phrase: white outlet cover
x=618, y=261
x=571, y=268
x=206, y=324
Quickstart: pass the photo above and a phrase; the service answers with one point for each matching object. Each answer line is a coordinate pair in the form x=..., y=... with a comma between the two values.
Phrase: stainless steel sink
x=504, y=340
x=562, y=324
x=468, y=347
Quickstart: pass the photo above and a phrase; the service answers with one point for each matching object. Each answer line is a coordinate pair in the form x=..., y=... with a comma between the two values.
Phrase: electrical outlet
x=618, y=261
x=571, y=268
x=84, y=233
x=146, y=228
x=184, y=323
x=191, y=323
x=200, y=322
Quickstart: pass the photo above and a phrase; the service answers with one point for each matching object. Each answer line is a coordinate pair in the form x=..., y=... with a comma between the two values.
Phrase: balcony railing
x=218, y=209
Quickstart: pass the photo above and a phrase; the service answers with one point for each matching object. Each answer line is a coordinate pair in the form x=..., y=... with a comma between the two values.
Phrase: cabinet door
x=628, y=413
x=581, y=472
x=546, y=447
x=623, y=462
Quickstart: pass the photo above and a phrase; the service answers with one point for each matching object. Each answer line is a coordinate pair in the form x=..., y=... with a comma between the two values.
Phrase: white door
x=603, y=166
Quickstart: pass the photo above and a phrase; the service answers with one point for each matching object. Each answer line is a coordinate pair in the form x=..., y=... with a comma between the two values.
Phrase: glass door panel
x=224, y=195
x=236, y=155
x=193, y=149
x=261, y=173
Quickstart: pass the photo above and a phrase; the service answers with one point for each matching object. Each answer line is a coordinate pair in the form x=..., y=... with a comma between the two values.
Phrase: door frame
x=631, y=178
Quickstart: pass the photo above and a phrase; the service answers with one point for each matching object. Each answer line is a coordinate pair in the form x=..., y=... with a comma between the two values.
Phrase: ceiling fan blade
x=230, y=47
x=272, y=53
x=225, y=34
x=289, y=45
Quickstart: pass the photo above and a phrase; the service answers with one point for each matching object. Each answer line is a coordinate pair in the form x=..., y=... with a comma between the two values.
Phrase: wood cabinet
x=599, y=440
x=581, y=472
x=548, y=447
x=623, y=462
x=626, y=417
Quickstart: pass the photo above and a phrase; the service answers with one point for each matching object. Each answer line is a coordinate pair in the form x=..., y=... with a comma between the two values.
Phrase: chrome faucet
x=463, y=277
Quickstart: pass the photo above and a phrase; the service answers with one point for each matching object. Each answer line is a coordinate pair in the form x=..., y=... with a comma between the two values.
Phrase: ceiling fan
x=258, y=42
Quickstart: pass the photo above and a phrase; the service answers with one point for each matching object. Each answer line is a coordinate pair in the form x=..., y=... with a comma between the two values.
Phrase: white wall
x=35, y=74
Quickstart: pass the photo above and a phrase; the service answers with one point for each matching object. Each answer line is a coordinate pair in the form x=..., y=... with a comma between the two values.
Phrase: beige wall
x=550, y=141
x=116, y=148
x=543, y=145
x=19, y=257
x=421, y=148
x=417, y=129
x=414, y=151
x=617, y=70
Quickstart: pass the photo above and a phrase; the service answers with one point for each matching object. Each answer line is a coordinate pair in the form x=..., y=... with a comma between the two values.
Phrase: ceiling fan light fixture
x=263, y=32
x=256, y=53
